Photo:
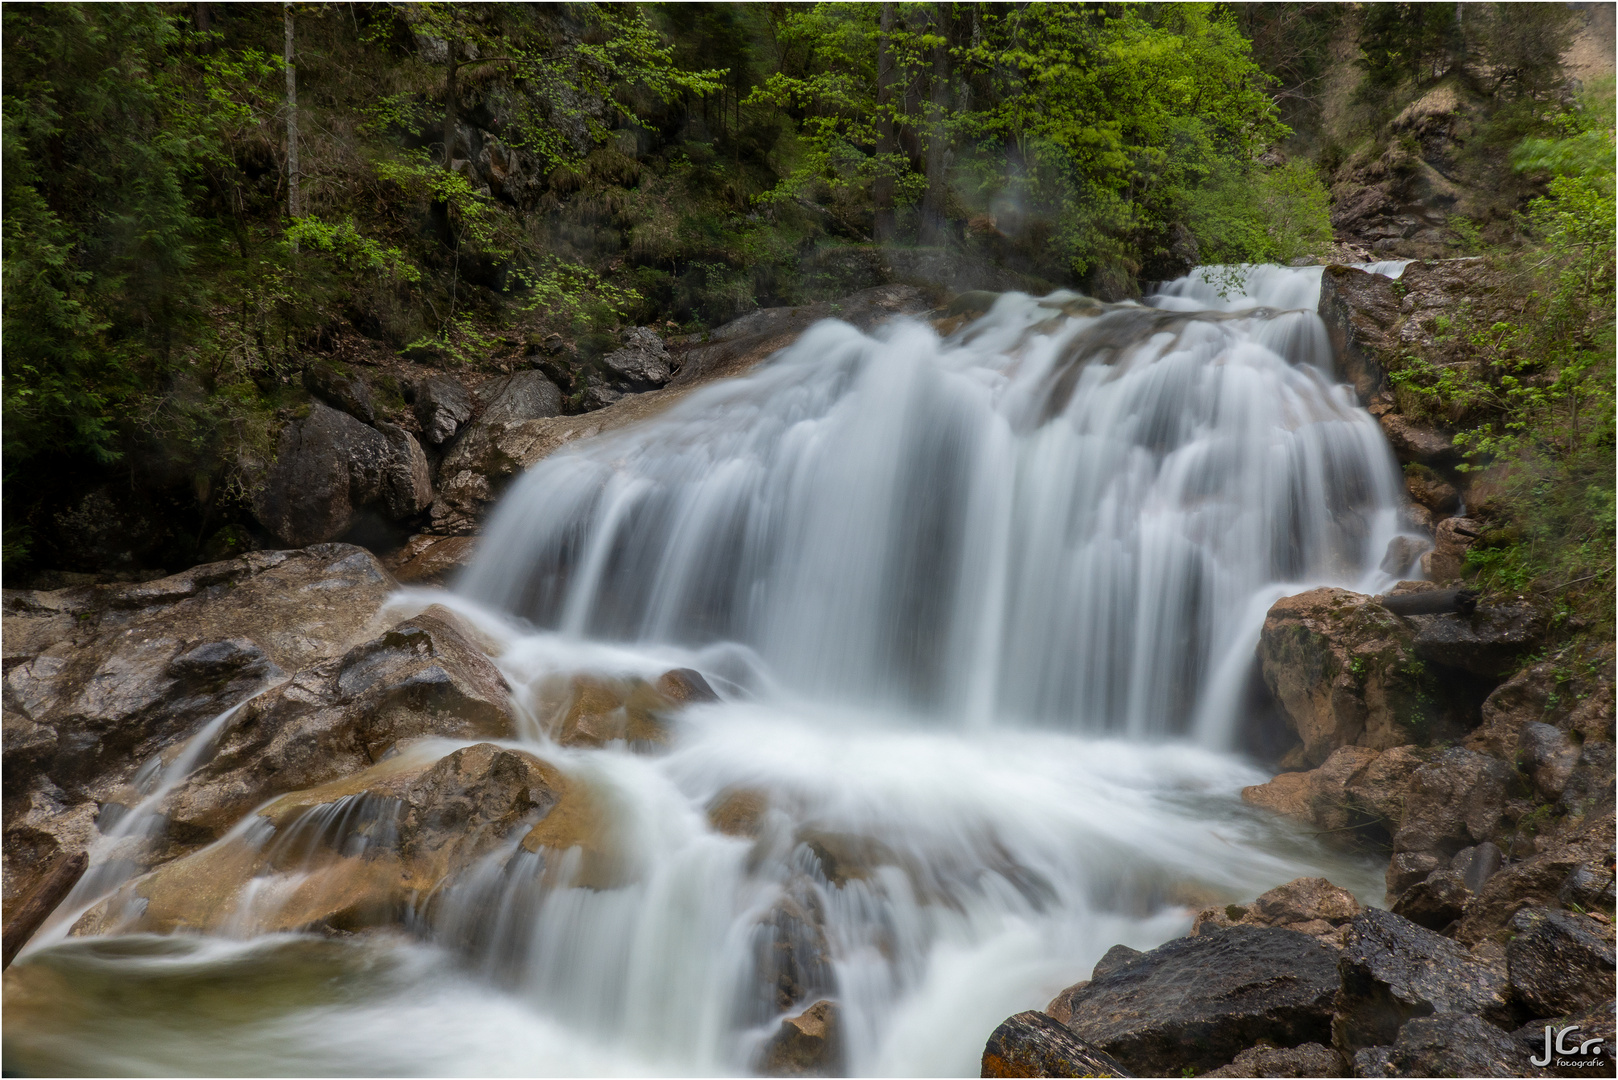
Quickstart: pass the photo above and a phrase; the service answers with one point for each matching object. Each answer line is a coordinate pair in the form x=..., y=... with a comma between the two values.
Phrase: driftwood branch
x=40, y=901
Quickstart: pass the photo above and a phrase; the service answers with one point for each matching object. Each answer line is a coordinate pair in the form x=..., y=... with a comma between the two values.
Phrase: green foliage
x=1535, y=398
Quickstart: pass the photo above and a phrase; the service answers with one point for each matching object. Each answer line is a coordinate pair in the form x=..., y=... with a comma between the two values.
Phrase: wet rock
x=1490, y=642
x=340, y=391
x=1548, y=756
x=99, y=679
x=1452, y=538
x=1360, y=311
x=525, y=395
x=1402, y=553
x=809, y=1044
x=594, y=710
x=1575, y=696
x=423, y=677
x=1197, y=1002
x=1585, y=849
x=426, y=559
x=442, y=405
x=1355, y=797
x=642, y=362
x=363, y=851
x=738, y=812
x=1115, y=958
x=1431, y=490
x=1559, y=962
x=685, y=686
x=1447, y=1045
x=1393, y=971
x=1034, y=1044
x=1588, y=1038
x=1344, y=671
x=1436, y=901
x=1455, y=800
x=1477, y=865
x=1413, y=441
x=329, y=467
x=1310, y=1059
x=792, y=955
x=1312, y=906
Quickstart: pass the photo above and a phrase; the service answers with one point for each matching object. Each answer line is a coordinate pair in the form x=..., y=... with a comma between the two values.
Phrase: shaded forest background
x=203, y=200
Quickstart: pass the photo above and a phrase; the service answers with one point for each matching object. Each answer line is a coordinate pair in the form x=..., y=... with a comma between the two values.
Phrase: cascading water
x=979, y=609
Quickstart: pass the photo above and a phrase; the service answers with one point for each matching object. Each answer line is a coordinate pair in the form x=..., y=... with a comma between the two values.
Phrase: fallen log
x=1433, y=602
x=38, y=903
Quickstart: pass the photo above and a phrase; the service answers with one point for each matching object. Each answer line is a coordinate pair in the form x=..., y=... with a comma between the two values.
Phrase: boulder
x=1360, y=310
x=1310, y=1059
x=1417, y=442
x=1573, y=694
x=1455, y=800
x=1579, y=860
x=1452, y=538
x=423, y=677
x=1490, y=642
x=1393, y=971
x=641, y=364
x=1033, y=1044
x=1559, y=962
x=340, y=391
x=594, y=710
x=1436, y=901
x=1447, y=1045
x=524, y=395
x=809, y=1044
x=1197, y=1002
x=442, y=405
x=426, y=559
x=792, y=955
x=1589, y=1036
x=1312, y=906
x=1431, y=490
x=363, y=851
x=1548, y=756
x=1356, y=797
x=1402, y=553
x=101, y=679
x=1345, y=672
x=329, y=467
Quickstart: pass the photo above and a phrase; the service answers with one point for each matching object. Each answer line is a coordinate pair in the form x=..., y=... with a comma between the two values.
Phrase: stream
x=980, y=610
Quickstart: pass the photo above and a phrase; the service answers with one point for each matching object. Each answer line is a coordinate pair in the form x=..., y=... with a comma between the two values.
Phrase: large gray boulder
x=330, y=467
x=1559, y=962
x=1447, y=1045
x=1394, y=971
x=1197, y=1002
x=442, y=405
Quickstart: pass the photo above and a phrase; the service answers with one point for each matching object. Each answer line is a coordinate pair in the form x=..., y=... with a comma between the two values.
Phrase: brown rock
x=738, y=811
x=1413, y=441
x=1310, y=1059
x=360, y=852
x=1344, y=671
x=1454, y=800
x=1312, y=906
x=1034, y=1044
x=430, y=560
x=1539, y=879
x=592, y=710
x=423, y=677
x=1431, y=490
x=809, y=1044
x=1452, y=537
x=99, y=679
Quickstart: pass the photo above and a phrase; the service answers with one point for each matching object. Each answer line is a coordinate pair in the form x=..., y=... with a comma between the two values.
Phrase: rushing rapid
x=978, y=606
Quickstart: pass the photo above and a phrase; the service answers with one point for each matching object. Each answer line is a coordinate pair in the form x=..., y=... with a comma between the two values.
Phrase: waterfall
x=1057, y=515
x=979, y=606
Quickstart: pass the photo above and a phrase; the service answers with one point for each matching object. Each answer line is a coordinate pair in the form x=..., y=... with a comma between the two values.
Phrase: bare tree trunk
x=886, y=224
x=294, y=207
x=933, y=224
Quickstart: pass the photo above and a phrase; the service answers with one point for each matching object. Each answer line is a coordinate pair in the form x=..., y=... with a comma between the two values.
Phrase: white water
x=986, y=601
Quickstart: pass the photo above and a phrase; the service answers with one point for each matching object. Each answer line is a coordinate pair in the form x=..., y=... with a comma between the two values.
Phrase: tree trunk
x=294, y=206
x=31, y=910
x=934, y=227
x=452, y=100
x=886, y=225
